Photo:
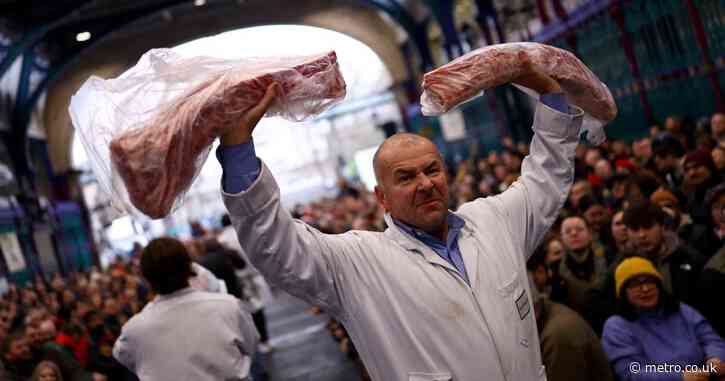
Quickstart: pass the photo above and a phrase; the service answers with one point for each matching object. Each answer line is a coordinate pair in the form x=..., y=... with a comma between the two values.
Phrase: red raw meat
x=491, y=66
x=159, y=161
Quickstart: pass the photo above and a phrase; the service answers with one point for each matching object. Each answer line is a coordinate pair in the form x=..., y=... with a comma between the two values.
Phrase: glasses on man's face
x=639, y=284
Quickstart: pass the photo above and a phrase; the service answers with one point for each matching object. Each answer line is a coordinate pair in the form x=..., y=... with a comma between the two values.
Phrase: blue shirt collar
x=455, y=224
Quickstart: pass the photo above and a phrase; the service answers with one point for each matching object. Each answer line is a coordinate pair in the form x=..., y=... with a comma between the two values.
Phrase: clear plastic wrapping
x=468, y=76
x=148, y=132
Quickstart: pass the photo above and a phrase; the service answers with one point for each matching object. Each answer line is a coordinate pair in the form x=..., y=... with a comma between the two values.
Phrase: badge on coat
x=522, y=305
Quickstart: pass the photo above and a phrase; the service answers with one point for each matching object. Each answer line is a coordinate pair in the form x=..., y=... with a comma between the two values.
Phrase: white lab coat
x=189, y=335
x=408, y=311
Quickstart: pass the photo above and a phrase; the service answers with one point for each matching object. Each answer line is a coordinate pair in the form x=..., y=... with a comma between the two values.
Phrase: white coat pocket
x=420, y=376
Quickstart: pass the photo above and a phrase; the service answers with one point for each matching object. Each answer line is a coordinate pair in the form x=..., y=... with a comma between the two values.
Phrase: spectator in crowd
x=652, y=327
x=17, y=358
x=680, y=263
x=708, y=236
x=700, y=176
x=676, y=220
x=668, y=152
x=598, y=218
x=580, y=189
x=620, y=244
x=47, y=371
x=221, y=262
x=718, y=157
x=219, y=335
x=717, y=128
x=570, y=349
x=581, y=268
x=44, y=348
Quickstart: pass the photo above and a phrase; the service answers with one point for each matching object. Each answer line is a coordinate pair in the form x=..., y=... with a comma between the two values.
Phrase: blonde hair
x=47, y=364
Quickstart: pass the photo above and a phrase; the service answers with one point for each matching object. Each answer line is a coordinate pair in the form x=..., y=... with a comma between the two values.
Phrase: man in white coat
x=184, y=333
x=439, y=295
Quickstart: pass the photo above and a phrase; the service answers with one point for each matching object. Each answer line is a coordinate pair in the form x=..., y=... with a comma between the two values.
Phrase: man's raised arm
x=289, y=253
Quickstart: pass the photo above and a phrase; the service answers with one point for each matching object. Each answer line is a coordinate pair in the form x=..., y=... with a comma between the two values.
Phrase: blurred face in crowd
x=47, y=374
x=597, y=217
x=540, y=277
x=592, y=157
x=718, y=156
x=603, y=169
x=110, y=307
x=717, y=127
x=554, y=251
x=673, y=125
x=32, y=335
x=575, y=234
x=665, y=162
x=46, y=331
x=642, y=149
x=717, y=211
x=647, y=240
x=500, y=171
x=642, y=292
x=619, y=148
x=696, y=174
x=19, y=350
x=412, y=183
x=579, y=190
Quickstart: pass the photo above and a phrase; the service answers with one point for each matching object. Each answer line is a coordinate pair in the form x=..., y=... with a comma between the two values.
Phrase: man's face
x=647, y=240
x=696, y=174
x=673, y=125
x=111, y=307
x=718, y=157
x=19, y=350
x=597, y=217
x=619, y=229
x=665, y=162
x=592, y=157
x=642, y=148
x=579, y=190
x=575, y=234
x=603, y=169
x=554, y=251
x=717, y=126
x=414, y=189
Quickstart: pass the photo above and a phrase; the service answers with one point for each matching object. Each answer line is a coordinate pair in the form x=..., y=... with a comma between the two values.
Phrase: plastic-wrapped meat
x=491, y=66
x=159, y=161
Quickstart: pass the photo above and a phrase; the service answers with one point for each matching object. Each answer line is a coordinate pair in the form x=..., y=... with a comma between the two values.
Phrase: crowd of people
x=643, y=225
x=65, y=328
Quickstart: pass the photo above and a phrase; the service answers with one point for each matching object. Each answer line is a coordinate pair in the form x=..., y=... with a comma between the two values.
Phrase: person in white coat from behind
x=184, y=333
x=439, y=295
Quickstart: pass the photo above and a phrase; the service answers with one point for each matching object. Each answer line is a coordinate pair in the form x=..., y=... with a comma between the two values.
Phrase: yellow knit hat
x=632, y=267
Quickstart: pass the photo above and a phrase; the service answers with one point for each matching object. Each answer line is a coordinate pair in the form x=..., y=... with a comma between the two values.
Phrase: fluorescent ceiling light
x=199, y=3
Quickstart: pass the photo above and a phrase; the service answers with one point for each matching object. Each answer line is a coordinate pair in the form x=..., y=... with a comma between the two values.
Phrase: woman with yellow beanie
x=653, y=329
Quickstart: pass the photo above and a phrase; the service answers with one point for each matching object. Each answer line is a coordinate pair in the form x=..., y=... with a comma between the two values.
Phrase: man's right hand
x=249, y=120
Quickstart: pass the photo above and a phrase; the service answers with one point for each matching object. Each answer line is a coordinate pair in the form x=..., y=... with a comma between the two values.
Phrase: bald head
x=393, y=145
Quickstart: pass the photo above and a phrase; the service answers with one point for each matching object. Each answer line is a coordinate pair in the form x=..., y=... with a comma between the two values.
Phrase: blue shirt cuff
x=556, y=101
x=240, y=166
